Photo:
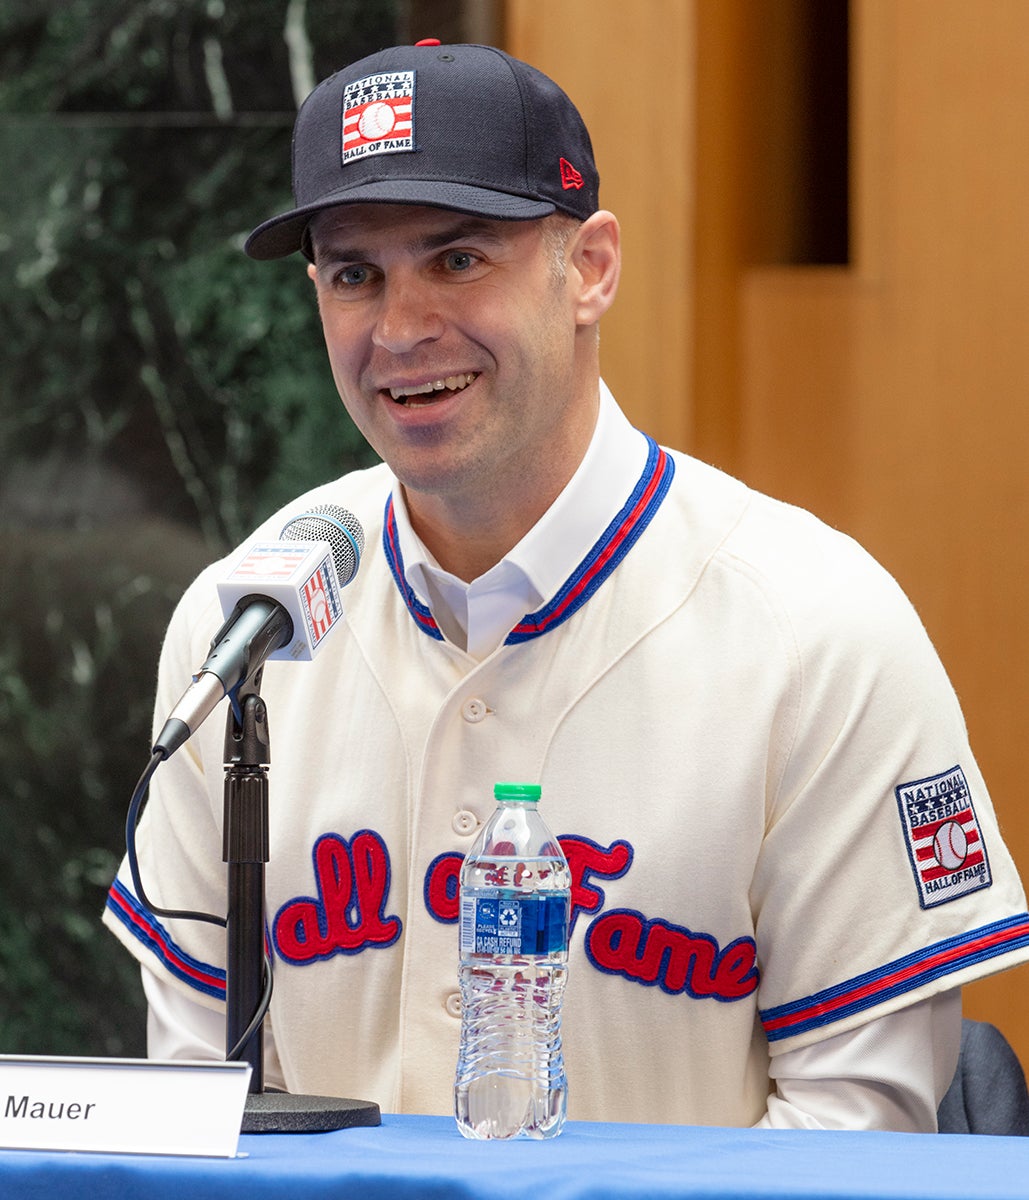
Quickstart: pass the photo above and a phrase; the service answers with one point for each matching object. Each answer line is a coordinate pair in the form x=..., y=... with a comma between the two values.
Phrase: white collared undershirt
x=477, y=616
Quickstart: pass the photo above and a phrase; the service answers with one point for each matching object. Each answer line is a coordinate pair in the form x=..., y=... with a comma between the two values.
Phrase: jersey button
x=474, y=710
x=453, y=1004
x=465, y=823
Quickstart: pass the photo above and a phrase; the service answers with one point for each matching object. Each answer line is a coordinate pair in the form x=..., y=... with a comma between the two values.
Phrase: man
x=785, y=860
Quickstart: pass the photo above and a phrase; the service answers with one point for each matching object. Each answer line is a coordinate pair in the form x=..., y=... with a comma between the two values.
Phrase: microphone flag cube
x=302, y=577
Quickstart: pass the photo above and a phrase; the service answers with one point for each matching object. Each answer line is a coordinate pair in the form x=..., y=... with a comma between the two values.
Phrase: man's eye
x=353, y=276
x=458, y=260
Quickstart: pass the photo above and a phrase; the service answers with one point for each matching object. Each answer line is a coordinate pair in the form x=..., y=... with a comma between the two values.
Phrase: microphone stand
x=245, y=850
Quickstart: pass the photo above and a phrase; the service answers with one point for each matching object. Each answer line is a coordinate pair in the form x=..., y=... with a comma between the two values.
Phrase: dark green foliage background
x=159, y=394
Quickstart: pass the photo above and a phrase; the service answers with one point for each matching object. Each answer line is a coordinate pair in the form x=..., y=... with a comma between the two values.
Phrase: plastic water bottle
x=515, y=896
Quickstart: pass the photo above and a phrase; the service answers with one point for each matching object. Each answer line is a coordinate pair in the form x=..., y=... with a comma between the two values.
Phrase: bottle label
x=494, y=921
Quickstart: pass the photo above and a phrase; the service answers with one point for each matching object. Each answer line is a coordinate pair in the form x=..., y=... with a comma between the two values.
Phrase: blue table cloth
x=426, y=1157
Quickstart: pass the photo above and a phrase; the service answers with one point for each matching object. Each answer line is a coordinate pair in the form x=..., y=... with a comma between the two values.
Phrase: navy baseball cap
x=467, y=128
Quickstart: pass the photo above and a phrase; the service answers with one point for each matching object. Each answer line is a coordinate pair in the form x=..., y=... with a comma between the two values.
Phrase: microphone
x=280, y=601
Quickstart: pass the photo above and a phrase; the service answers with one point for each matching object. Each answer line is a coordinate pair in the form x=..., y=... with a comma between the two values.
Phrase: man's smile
x=428, y=392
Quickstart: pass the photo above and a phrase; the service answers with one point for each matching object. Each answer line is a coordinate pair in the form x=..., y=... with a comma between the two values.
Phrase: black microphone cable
x=184, y=914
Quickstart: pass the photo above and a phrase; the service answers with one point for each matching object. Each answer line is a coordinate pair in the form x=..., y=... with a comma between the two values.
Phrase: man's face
x=452, y=341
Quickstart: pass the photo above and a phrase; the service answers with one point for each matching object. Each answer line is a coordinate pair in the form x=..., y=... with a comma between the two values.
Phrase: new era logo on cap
x=378, y=115
x=570, y=177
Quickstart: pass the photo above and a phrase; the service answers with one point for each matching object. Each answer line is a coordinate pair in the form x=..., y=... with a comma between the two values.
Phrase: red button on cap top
x=428, y=42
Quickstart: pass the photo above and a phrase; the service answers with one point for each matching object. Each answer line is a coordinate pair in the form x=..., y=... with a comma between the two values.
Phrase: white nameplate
x=122, y=1105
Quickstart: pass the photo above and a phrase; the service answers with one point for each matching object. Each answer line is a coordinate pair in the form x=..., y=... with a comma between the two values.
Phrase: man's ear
x=312, y=272
x=596, y=257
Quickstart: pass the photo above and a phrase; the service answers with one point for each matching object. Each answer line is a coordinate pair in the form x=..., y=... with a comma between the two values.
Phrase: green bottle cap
x=523, y=793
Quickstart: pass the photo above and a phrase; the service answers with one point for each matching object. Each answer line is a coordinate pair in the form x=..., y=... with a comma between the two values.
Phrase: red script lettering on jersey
x=347, y=915
x=623, y=942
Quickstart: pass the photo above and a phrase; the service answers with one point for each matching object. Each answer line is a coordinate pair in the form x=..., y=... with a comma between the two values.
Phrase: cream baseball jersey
x=747, y=745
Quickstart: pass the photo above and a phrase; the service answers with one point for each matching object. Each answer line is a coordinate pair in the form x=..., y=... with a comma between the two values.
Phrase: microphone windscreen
x=335, y=525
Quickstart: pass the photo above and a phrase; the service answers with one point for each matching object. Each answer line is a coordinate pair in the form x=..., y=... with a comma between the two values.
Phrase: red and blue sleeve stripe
x=905, y=974
x=142, y=924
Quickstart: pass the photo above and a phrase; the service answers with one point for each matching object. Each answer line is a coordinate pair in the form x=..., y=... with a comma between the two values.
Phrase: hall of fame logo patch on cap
x=378, y=115
x=944, y=841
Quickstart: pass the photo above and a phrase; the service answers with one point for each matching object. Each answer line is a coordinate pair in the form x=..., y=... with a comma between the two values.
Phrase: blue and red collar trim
x=608, y=551
x=391, y=545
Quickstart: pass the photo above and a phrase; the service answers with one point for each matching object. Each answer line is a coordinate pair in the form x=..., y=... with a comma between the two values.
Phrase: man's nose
x=407, y=316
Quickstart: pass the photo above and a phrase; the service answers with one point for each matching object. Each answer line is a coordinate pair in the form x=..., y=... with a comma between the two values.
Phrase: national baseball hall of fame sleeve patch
x=944, y=841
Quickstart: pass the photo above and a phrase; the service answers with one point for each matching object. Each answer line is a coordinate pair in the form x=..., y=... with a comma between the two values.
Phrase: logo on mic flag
x=263, y=563
x=321, y=600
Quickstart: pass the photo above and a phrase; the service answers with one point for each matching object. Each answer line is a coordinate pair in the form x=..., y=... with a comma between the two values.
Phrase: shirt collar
x=478, y=615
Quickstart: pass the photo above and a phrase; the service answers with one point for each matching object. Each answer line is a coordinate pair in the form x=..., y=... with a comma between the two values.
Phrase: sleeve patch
x=944, y=841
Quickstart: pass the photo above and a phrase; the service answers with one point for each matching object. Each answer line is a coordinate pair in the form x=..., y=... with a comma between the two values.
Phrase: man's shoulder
x=801, y=565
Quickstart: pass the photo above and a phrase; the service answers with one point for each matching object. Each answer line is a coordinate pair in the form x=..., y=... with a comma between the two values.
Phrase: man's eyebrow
x=343, y=246
x=468, y=227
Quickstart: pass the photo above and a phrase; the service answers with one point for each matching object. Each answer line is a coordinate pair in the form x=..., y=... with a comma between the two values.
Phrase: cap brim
x=284, y=234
